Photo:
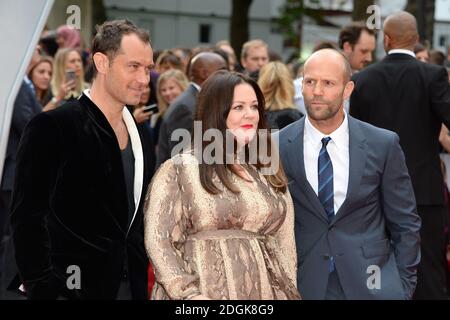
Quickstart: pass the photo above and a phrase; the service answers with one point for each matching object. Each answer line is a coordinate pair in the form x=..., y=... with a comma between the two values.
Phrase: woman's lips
x=247, y=126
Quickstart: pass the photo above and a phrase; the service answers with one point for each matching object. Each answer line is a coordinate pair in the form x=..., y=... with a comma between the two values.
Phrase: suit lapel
x=136, y=145
x=297, y=165
x=138, y=160
x=357, y=163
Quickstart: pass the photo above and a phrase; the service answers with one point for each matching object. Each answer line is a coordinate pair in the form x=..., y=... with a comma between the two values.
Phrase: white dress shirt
x=404, y=51
x=339, y=154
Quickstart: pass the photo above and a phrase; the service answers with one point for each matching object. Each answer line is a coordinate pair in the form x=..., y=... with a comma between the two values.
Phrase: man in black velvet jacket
x=81, y=177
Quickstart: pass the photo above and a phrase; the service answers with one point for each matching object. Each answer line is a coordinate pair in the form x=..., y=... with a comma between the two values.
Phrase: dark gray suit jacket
x=377, y=225
x=178, y=116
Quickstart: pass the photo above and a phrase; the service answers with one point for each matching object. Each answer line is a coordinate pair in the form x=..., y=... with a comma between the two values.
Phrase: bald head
x=325, y=86
x=204, y=64
x=333, y=58
x=400, y=31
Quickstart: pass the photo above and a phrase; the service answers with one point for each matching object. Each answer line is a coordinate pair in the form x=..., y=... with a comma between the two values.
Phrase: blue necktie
x=326, y=190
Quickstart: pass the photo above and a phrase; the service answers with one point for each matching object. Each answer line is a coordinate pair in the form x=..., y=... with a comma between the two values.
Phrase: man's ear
x=386, y=42
x=415, y=38
x=203, y=74
x=348, y=89
x=347, y=47
x=243, y=63
x=101, y=62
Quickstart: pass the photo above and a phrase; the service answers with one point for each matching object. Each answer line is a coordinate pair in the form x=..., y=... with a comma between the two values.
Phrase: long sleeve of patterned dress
x=165, y=234
x=286, y=240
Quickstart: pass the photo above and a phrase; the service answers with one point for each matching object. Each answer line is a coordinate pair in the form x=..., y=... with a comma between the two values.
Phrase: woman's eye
x=237, y=107
x=255, y=107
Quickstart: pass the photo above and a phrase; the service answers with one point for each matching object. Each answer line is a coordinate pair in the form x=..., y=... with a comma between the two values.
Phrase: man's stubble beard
x=326, y=114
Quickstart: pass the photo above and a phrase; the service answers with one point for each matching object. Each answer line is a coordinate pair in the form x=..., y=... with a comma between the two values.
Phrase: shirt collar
x=338, y=136
x=196, y=86
x=404, y=51
x=87, y=93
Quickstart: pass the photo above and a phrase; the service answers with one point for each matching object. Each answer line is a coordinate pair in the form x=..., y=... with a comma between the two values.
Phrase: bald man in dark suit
x=412, y=98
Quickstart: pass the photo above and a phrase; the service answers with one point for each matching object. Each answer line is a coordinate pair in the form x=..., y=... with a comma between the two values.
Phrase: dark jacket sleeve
x=26, y=107
x=163, y=146
x=180, y=118
x=402, y=220
x=440, y=95
x=38, y=160
x=355, y=101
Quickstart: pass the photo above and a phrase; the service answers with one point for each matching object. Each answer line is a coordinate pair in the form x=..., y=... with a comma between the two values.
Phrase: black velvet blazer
x=69, y=206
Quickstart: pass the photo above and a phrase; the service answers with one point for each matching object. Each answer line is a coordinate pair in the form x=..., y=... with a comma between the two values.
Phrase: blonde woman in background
x=277, y=87
x=170, y=85
x=41, y=75
x=67, y=62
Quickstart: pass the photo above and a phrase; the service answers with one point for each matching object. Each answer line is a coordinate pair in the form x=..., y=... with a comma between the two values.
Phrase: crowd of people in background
x=62, y=69
x=62, y=51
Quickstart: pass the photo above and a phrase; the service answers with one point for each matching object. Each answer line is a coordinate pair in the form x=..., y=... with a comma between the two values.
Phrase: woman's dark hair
x=48, y=43
x=437, y=57
x=325, y=45
x=213, y=106
x=419, y=48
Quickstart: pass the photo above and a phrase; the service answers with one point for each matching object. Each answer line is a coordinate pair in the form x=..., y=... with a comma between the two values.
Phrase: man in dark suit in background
x=412, y=98
x=356, y=225
x=26, y=106
x=179, y=115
